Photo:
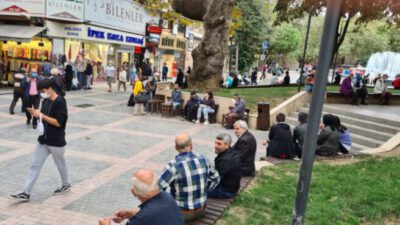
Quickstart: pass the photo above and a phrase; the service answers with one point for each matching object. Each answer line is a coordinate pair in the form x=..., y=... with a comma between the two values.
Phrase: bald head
x=144, y=182
x=183, y=142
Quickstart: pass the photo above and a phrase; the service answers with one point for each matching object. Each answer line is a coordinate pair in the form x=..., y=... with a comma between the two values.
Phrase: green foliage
x=356, y=194
x=252, y=31
x=366, y=40
x=394, y=40
x=286, y=39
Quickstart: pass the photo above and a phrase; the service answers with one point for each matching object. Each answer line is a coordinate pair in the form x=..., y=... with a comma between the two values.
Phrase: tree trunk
x=210, y=54
x=192, y=9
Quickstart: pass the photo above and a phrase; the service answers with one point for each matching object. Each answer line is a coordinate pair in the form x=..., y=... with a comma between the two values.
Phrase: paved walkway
x=386, y=112
x=105, y=144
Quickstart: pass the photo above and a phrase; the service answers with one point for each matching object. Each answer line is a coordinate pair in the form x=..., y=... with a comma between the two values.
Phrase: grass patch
x=353, y=194
x=272, y=95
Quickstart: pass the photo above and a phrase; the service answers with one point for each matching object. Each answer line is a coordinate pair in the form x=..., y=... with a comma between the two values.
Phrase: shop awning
x=19, y=33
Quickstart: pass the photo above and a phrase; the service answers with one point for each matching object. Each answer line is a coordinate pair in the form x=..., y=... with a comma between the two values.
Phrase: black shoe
x=28, y=122
x=21, y=196
x=62, y=190
x=34, y=126
x=12, y=112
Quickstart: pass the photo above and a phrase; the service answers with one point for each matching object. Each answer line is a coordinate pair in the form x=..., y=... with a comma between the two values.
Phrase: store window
x=181, y=45
x=168, y=42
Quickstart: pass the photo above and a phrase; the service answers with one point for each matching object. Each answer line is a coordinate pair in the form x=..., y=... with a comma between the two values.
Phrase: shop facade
x=55, y=32
x=172, y=51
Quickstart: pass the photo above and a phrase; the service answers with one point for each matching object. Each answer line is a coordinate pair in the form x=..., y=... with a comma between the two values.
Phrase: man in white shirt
x=110, y=70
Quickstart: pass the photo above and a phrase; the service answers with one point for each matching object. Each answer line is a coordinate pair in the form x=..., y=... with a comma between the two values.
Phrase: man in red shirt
x=396, y=82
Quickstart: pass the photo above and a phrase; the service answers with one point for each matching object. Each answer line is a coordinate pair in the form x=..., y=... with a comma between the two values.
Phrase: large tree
x=210, y=54
x=252, y=31
x=362, y=11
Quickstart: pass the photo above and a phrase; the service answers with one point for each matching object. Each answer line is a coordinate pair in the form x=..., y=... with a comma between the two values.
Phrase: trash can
x=263, y=119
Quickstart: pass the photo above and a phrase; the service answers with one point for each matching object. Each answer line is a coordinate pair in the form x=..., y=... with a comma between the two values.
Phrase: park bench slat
x=216, y=207
x=206, y=220
x=197, y=223
x=220, y=201
x=210, y=216
x=213, y=212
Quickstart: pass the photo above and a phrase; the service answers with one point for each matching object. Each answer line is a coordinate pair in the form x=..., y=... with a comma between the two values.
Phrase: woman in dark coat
x=179, y=78
x=328, y=138
x=69, y=75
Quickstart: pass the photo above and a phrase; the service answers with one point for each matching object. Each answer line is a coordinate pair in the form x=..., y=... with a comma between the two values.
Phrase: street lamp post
x=305, y=51
x=317, y=102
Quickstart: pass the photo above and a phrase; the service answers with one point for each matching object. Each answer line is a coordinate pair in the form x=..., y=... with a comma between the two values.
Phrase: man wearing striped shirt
x=189, y=176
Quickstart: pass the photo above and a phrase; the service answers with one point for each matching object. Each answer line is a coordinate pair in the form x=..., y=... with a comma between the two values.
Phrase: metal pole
x=334, y=66
x=317, y=102
x=305, y=51
x=237, y=57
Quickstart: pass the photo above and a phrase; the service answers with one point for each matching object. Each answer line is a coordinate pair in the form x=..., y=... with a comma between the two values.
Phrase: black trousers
x=16, y=96
x=33, y=101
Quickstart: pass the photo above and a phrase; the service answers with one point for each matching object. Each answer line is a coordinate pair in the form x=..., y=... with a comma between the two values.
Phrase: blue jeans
x=205, y=111
x=219, y=192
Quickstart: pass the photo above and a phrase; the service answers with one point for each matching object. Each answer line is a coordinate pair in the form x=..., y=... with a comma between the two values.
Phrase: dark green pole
x=317, y=102
x=304, y=52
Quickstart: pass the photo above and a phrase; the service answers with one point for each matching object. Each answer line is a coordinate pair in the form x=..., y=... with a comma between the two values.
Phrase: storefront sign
x=23, y=7
x=125, y=15
x=154, y=29
x=86, y=32
x=70, y=10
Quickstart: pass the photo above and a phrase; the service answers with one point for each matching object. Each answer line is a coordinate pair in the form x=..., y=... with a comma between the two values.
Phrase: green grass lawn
x=272, y=95
x=366, y=192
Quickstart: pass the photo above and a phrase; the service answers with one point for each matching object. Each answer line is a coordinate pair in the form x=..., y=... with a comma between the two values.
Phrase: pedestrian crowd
x=333, y=138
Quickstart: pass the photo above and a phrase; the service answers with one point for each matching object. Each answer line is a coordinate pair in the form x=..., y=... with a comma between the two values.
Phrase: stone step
x=367, y=124
x=357, y=147
x=371, y=133
x=360, y=140
x=338, y=111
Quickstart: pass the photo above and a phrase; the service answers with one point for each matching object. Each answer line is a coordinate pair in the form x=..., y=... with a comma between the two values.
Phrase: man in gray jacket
x=300, y=132
x=235, y=113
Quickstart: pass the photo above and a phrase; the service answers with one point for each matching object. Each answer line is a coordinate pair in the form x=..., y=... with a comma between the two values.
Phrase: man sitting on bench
x=245, y=148
x=228, y=167
x=189, y=176
x=157, y=208
x=236, y=112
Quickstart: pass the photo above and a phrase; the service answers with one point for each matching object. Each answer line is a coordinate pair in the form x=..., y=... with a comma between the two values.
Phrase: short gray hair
x=179, y=145
x=242, y=124
x=142, y=188
x=225, y=137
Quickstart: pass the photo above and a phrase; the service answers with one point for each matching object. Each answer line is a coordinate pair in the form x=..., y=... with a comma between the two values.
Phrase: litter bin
x=263, y=119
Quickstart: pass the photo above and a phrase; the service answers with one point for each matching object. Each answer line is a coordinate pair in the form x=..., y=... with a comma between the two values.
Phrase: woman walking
x=121, y=78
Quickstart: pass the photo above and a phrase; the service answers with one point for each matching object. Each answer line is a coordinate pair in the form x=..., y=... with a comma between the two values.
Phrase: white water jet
x=384, y=63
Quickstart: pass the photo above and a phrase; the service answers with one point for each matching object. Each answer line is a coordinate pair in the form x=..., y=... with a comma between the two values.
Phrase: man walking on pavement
x=53, y=118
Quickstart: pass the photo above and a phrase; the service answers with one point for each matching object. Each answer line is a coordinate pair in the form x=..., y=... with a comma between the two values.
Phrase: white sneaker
x=206, y=122
x=197, y=121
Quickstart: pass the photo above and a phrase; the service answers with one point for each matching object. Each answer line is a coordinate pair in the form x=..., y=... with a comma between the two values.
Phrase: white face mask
x=44, y=95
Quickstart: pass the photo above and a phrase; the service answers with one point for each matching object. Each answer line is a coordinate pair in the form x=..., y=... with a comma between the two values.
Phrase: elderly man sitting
x=235, y=113
x=157, y=208
x=245, y=148
x=229, y=168
x=189, y=176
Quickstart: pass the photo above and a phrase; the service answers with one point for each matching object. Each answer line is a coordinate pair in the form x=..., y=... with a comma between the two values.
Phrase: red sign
x=154, y=29
x=14, y=9
x=138, y=50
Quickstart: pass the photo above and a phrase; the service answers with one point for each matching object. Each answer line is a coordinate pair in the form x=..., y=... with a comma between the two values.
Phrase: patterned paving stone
x=167, y=126
x=122, y=108
x=114, y=144
x=19, y=133
x=107, y=198
x=7, y=120
x=4, y=149
x=3, y=217
x=113, y=96
x=73, y=102
x=170, y=153
x=93, y=118
x=14, y=172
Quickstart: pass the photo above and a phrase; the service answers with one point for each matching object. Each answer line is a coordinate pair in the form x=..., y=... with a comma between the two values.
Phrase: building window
x=181, y=45
x=168, y=42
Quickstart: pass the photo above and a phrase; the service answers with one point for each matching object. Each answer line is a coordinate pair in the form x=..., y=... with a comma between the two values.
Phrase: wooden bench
x=245, y=116
x=212, y=117
x=336, y=97
x=215, y=207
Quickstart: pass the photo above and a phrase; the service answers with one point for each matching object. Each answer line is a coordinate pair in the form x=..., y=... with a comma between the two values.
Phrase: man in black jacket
x=245, y=148
x=280, y=144
x=54, y=116
x=228, y=167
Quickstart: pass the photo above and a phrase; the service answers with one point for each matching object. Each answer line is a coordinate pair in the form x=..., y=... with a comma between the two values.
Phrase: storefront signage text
x=69, y=10
x=114, y=37
x=73, y=31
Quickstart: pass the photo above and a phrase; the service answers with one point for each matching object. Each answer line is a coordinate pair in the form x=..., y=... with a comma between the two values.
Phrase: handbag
x=141, y=98
x=40, y=126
